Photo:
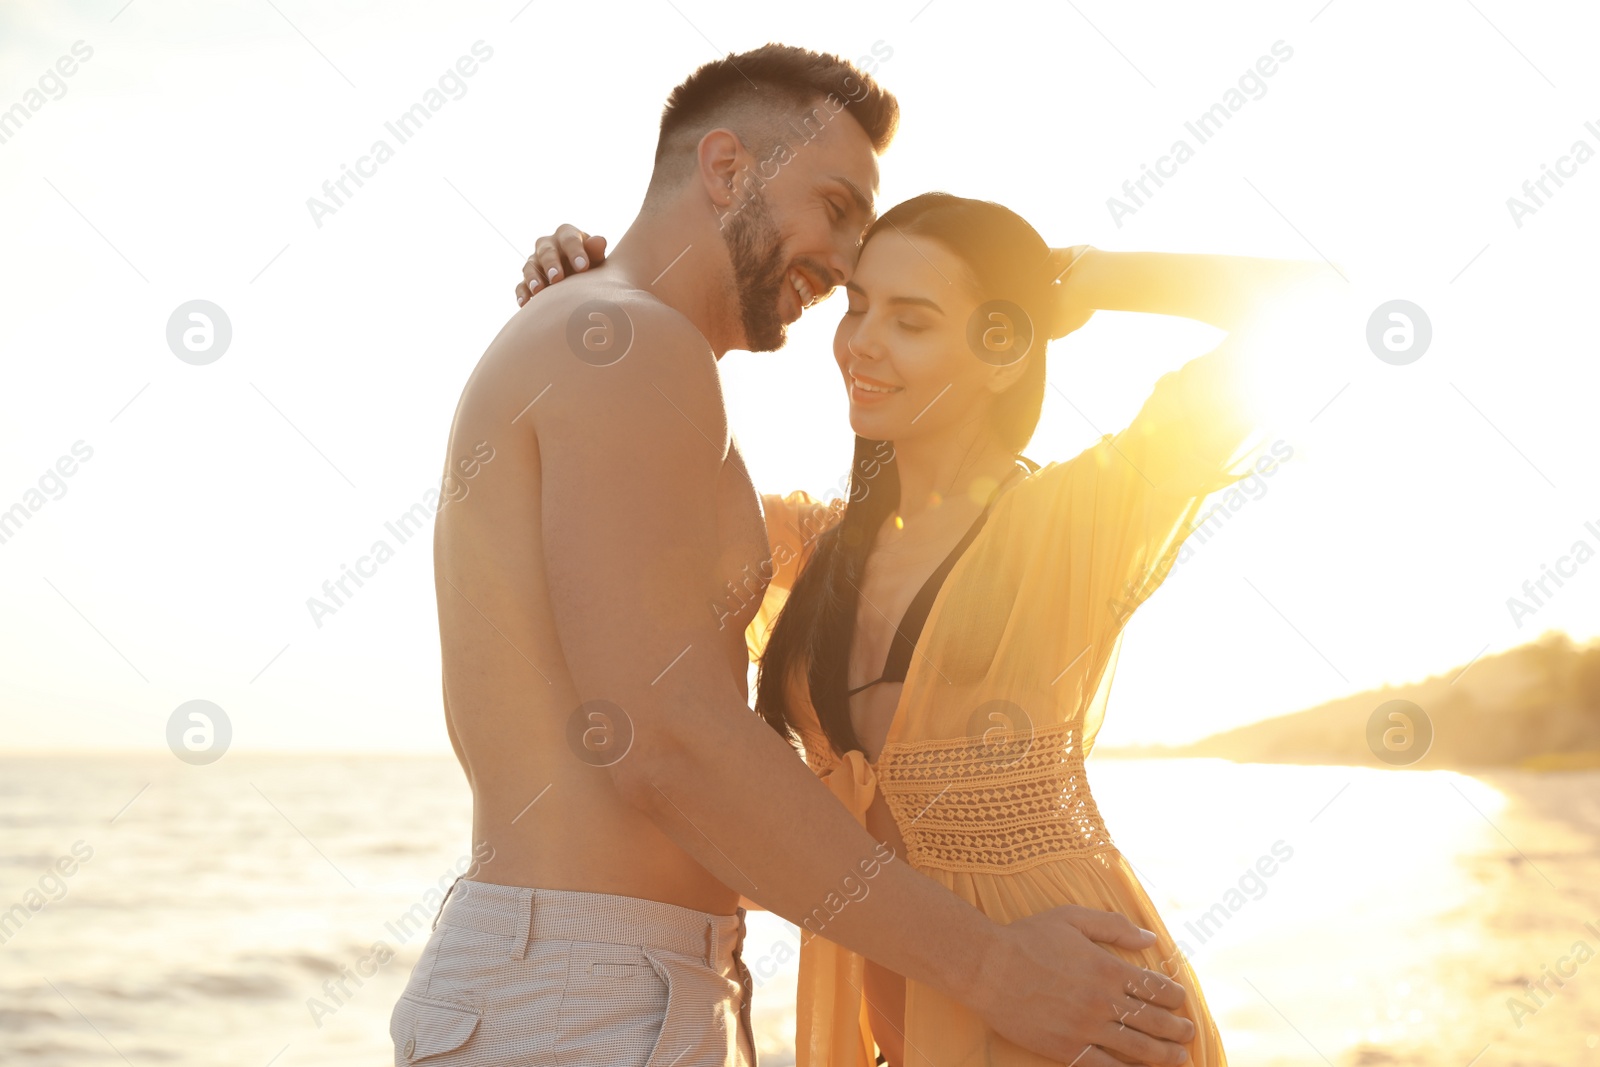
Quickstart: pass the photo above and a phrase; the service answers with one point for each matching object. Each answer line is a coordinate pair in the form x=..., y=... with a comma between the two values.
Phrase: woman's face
x=902, y=345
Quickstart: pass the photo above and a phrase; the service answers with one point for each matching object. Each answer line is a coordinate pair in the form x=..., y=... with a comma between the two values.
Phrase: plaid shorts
x=518, y=976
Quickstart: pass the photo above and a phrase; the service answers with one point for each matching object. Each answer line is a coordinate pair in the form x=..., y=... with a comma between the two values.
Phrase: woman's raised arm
x=1224, y=291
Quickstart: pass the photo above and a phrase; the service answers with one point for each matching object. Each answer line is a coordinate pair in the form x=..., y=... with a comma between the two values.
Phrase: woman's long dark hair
x=1006, y=259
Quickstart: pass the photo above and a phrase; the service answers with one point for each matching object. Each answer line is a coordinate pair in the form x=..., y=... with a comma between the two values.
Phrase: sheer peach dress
x=983, y=769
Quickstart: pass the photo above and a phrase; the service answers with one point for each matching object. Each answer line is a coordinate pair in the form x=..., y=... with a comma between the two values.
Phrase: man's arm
x=631, y=456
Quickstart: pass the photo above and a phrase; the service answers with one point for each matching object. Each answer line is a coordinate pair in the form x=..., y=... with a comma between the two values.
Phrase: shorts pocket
x=603, y=969
x=626, y=1006
x=700, y=1024
x=611, y=1009
x=422, y=1028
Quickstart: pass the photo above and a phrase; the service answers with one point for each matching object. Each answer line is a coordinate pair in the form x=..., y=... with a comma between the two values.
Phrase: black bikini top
x=898, y=661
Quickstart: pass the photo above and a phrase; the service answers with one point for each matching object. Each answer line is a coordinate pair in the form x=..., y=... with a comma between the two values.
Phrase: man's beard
x=759, y=273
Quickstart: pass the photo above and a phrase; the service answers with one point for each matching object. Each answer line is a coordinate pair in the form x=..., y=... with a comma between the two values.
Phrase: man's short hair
x=765, y=96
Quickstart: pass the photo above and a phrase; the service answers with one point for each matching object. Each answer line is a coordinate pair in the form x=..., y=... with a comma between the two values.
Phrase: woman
x=941, y=646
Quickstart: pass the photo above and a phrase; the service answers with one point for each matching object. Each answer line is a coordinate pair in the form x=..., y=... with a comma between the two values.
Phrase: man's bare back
x=542, y=799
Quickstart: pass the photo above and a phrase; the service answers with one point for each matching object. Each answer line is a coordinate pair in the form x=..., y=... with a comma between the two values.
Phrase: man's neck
x=682, y=261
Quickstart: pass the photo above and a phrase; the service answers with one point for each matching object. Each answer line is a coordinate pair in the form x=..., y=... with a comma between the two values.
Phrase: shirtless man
x=594, y=687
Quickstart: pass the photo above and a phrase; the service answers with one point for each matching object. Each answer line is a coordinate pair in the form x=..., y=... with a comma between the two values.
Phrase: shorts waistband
x=528, y=914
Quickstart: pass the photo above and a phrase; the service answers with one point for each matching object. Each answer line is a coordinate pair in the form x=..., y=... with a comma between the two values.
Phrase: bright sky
x=175, y=161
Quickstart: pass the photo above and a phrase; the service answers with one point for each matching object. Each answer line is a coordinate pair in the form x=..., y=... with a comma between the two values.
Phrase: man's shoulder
x=617, y=355
x=601, y=323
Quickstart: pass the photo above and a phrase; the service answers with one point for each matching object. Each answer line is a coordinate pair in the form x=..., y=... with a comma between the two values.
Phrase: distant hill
x=1537, y=705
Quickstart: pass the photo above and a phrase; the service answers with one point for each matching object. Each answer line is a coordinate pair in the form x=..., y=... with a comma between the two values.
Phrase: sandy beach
x=1422, y=904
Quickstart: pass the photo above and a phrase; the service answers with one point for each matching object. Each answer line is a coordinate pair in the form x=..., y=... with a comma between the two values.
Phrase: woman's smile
x=864, y=390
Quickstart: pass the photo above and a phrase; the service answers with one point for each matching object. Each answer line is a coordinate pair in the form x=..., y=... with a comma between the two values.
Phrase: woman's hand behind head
x=1069, y=311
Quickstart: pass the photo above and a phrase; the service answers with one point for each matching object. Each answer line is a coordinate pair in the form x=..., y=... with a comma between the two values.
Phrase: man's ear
x=720, y=157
